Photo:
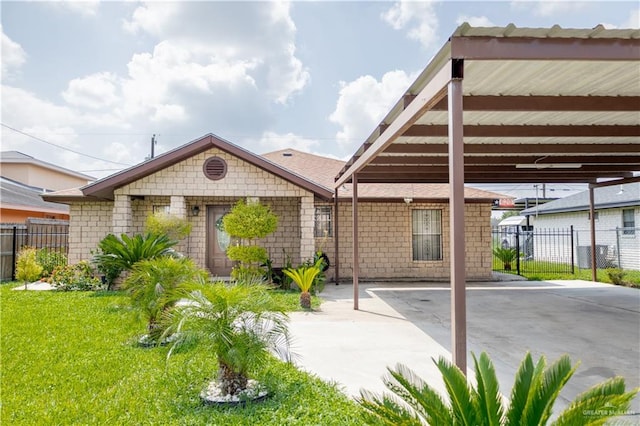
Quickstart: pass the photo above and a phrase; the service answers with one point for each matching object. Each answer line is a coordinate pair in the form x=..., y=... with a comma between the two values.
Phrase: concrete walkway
x=354, y=348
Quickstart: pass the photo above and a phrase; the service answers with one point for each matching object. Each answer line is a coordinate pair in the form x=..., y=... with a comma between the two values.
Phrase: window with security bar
x=426, y=229
x=323, y=226
x=628, y=222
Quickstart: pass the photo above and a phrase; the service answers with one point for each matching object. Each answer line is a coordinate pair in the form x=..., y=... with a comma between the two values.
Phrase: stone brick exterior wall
x=385, y=248
x=89, y=222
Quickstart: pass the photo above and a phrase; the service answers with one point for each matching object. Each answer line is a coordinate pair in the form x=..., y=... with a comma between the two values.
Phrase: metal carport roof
x=506, y=105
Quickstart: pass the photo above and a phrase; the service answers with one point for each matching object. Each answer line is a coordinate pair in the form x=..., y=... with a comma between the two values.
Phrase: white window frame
x=629, y=227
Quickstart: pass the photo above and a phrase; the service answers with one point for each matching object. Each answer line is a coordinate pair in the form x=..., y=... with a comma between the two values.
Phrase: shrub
x=304, y=276
x=115, y=254
x=616, y=276
x=75, y=277
x=248, y=221
x=27, y=267
x=176, y=228
x=49, y=260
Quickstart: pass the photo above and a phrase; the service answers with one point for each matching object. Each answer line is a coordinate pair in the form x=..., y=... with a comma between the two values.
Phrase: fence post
x=14, y=246
x=618, y=247
x=573, y=271
x=518, y=250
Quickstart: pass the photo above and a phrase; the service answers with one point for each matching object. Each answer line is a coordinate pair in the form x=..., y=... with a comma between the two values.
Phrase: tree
x=249, y=221
x=155, y=285
x=240, y=324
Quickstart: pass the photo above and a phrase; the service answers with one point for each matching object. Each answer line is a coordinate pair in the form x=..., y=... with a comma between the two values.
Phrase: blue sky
x=100, y=78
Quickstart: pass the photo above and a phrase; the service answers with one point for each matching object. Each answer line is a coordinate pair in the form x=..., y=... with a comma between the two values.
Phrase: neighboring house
x=617, y=222
x=20, y=201
x=30, y=171
x=404, y=229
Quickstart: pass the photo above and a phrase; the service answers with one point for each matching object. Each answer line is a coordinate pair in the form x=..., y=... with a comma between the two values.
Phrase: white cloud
x=80, y=7
x=363, y=103
x=260, y=37
x=13, y=55
x=272, y=141
x=634, y=19
x=417, y=17
x=475, y=21
x=548, y=8
x=168, y=112
x=93, y=91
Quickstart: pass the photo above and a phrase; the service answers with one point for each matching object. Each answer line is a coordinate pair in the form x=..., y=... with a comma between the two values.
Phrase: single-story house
x=617, y=224
x=404, y=228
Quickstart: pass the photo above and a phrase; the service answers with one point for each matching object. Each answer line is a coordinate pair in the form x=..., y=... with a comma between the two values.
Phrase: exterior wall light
x=195, y=210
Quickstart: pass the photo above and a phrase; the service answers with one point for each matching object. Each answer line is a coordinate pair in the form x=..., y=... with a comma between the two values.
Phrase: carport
x=508, y=105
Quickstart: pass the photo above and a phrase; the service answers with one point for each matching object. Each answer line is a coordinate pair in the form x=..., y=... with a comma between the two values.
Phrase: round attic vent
x=215, y=168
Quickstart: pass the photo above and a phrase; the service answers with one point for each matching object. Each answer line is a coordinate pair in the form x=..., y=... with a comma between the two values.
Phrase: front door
x=217, y=242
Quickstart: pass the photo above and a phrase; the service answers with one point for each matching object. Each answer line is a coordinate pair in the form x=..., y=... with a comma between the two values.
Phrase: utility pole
x=153, y=143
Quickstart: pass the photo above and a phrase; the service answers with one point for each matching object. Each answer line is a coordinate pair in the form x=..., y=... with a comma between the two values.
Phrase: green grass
x=290, y=300
x=70, y=358
x=529, y=270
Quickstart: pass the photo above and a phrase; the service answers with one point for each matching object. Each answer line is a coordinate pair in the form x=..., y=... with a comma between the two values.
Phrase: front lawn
x=71, y=358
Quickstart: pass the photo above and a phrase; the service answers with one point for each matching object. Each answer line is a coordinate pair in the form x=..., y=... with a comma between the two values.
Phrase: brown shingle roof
x=324, y=169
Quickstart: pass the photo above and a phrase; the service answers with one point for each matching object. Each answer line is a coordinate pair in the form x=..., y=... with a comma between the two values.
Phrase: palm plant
x=506, y=255
x=120, y=254
x=240, y=323
x=155, y=285
x=304, y=277
x=532, y=397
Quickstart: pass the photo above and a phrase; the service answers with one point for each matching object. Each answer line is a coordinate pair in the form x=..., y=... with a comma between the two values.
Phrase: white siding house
x=617, y=223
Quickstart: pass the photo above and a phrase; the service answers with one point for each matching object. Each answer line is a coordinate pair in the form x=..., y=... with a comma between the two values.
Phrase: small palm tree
x=532, y=397
x=304, y=277
x=241, y=324
x=506, y=255
x=155, y=285
x=120, y=254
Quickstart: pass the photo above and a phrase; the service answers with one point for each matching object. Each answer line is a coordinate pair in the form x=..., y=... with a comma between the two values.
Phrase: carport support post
x=356, y=266
x=592, y=225
x=456, y=225
x=336, y=242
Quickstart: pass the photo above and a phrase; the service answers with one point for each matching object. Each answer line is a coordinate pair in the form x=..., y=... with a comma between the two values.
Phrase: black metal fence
x=38, y=233
x=533, y=251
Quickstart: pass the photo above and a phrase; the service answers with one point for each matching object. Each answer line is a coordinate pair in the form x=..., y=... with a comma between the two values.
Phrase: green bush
x=176, y=228
x=506, y=255
x=49, y=260
x=248, y=221
x=115, y=255
x=75, y=277
x=27, y=267
x=616, y=276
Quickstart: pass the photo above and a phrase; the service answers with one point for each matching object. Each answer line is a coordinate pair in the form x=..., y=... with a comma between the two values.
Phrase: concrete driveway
x=596, y=324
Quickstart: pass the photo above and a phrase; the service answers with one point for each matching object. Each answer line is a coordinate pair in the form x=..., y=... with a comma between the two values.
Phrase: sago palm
x=303, y=276
x=155, y=285
x=534, y=392
x=240, y=323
